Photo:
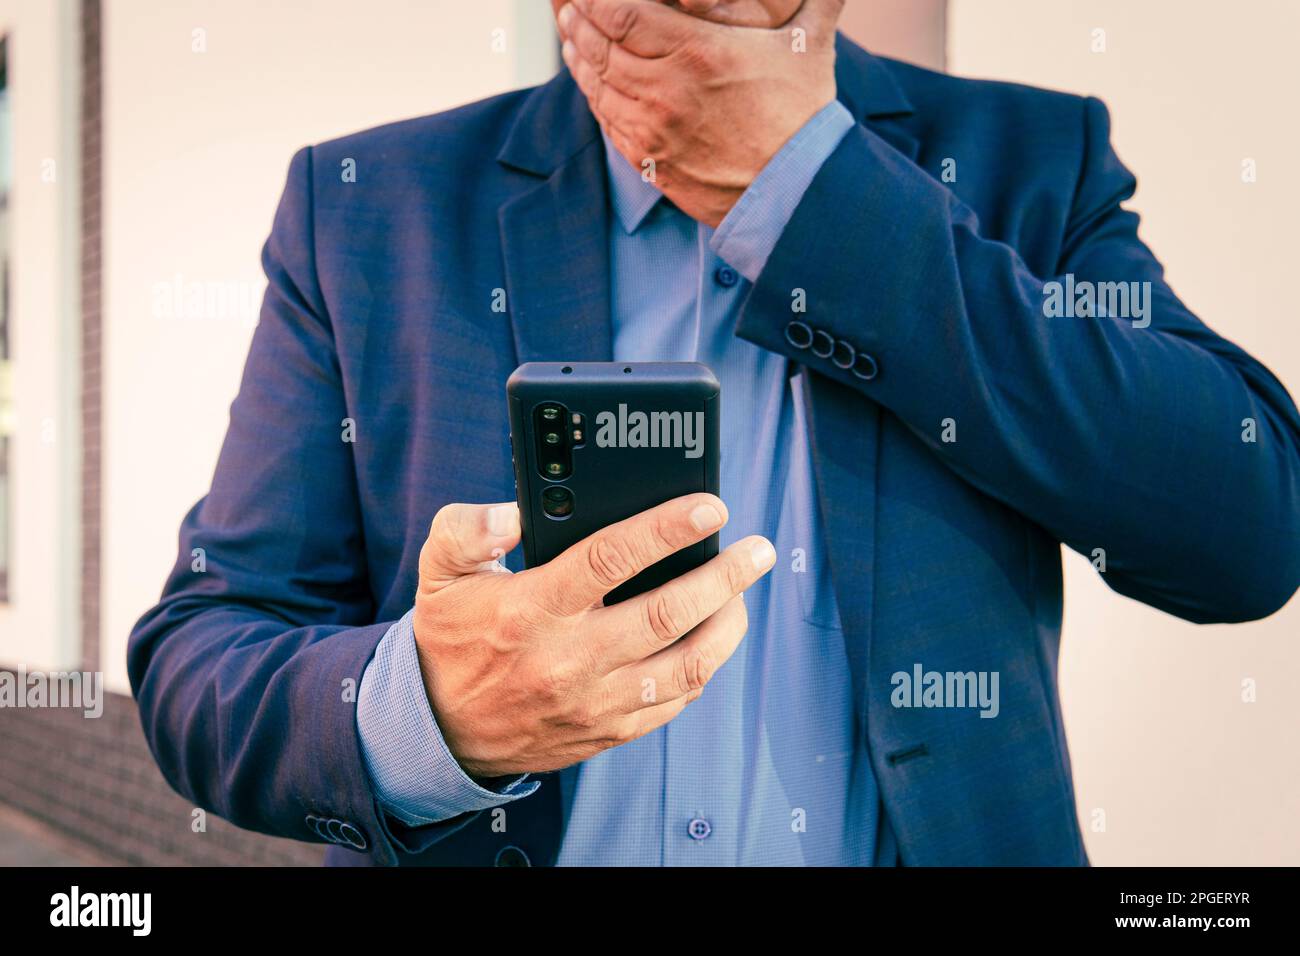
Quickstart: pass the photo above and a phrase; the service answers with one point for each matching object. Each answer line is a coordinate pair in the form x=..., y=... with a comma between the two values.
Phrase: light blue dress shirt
x=765, y=768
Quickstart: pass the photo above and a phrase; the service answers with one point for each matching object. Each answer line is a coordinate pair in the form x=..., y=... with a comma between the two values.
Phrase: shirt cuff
x=413, y=774
x=749, y=233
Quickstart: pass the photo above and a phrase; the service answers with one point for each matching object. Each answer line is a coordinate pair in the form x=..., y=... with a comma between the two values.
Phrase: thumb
x=466, y=539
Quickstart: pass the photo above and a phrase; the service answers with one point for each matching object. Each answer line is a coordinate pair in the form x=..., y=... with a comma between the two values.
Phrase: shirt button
x=726, y=276
x=699, y=829
x=512, y=856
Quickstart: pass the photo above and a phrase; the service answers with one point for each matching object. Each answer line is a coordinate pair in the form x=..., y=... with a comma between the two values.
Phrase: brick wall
x=95, y=781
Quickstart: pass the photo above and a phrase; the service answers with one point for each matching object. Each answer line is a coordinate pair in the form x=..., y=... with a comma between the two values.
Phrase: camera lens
x=550, y=437
x=557, y=501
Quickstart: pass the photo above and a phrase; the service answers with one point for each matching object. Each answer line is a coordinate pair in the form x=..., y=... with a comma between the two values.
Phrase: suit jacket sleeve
x=1108, y=435
x=247, y=670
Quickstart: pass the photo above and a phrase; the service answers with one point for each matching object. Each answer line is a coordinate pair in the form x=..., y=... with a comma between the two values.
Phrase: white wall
x=40, y=624
x=911, y=30
x=1162, y=742
x=195, y=152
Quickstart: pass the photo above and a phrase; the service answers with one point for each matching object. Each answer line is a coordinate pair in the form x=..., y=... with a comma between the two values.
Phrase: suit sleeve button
x=822, y=344
x=865, y=367
x=353, y=836
x=798, y=334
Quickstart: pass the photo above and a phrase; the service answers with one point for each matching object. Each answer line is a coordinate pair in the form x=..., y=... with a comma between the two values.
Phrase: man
x=873, y=259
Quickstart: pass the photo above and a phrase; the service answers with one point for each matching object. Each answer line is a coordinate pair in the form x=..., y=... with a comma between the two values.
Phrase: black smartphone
x=596, y=442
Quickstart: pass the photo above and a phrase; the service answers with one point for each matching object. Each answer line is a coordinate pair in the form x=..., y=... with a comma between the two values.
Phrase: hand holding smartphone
x=627, y=608
x=597, y=442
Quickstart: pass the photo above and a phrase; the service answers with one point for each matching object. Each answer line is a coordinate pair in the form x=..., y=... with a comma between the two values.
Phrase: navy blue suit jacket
x=1087, y=431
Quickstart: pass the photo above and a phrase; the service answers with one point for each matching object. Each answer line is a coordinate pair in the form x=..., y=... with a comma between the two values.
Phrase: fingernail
x=566, y=51
x=500, y=520
x=763, y=553
x=705, y=518
x=566, y=16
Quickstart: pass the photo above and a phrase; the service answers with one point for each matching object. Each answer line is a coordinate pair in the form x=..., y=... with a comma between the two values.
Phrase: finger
x=651, y=719
x=615, y=730
x=577, y=579
x=684, y=667
x=611, y=106
x=621, y=69
x=643, y=27
x=646, y=624
x=463, y=539
x=619, y=729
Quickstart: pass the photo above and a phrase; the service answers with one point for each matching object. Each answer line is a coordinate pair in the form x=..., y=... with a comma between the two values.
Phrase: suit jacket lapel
x=867, y=87
x=553, y=231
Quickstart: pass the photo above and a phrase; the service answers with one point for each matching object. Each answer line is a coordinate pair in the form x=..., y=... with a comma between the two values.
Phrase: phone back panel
x=648, y=432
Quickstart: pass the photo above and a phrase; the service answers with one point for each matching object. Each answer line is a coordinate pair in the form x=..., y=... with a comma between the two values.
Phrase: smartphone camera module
x=554, y=458
x=557, y=501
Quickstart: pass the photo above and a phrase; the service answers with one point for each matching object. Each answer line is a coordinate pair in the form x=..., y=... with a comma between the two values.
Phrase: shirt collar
x=631, y=196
